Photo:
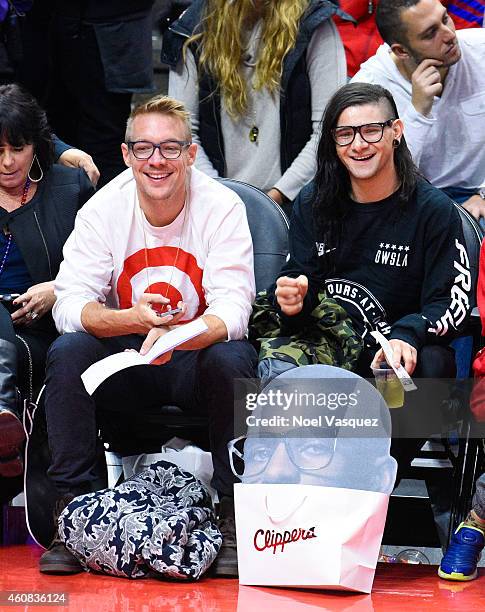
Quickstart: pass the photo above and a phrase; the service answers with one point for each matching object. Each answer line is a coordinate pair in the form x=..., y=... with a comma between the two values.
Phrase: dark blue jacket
x=295, y=94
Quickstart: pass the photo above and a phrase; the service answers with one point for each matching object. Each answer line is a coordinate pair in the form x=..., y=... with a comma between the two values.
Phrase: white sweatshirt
x=204, y=257
x=448, y=146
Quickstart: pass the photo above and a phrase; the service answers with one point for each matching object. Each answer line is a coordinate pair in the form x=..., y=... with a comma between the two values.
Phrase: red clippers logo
x=273, y=539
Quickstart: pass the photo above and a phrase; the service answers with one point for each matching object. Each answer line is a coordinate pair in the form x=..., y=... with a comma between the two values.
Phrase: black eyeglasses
x=249, y=456
x=169, y=149
x=370, y=132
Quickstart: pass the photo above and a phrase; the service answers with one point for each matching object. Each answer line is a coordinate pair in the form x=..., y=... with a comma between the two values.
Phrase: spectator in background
x=462, y=556
x=361, y=41
x=466, y=13
x=251, y=75
x=438, y=82
x=24, y=59
x=100, y=53
x=38, y=203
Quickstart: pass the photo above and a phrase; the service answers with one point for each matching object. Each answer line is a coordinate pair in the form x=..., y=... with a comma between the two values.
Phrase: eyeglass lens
x=304, y=453
x=370, y=132
x=144, y=149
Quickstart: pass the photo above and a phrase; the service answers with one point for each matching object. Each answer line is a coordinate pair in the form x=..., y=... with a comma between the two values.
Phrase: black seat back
x=473, y=235
x=269, y=230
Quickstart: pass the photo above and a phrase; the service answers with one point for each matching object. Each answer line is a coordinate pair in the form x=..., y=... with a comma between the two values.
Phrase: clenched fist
x=290, y=293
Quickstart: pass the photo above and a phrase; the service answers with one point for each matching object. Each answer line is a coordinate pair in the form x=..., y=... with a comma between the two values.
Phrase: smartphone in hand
x=172, y=312
x=7, y=300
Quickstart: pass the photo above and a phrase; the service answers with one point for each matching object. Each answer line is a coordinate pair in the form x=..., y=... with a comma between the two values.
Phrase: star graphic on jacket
x=406, y=248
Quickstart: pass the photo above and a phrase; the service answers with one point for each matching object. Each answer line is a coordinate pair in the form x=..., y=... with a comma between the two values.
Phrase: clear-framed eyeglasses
x=169, y=149
x=370, y=132
x=249, y=456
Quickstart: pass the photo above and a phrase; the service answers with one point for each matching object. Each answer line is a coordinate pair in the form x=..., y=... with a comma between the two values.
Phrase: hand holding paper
x=101, y=370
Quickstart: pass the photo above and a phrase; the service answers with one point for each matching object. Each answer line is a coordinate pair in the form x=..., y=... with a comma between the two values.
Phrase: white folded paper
x=101, y=370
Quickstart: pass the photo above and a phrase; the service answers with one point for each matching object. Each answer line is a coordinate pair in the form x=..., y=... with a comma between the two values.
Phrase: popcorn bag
x=308, y=536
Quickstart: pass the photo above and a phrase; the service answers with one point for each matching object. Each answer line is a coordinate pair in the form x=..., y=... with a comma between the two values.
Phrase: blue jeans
x=478, y=503
x=460, y=195
x=198, y=381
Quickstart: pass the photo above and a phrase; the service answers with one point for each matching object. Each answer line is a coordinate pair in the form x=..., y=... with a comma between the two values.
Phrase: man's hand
x=426, y=82
x=290, y=293
x=103, y=322
x=34, y=303
x=75, y=158
x=276, y=195
x=153, y=335
x=402, y=351
x=146, y=318
x=475, y=206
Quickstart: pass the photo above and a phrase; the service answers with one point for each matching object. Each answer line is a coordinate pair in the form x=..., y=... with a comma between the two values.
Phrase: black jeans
x=37, y=337
x=413, y=423
x=198, y=381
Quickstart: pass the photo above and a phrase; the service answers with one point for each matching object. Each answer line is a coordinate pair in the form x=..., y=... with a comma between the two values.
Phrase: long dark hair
x=22, y=121
x=332, y=181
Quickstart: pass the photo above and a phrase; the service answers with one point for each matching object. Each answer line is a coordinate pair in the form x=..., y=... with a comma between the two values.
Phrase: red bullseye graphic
x=175, y=261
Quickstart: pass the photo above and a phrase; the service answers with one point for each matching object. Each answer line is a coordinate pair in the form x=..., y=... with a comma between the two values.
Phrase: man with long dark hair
x=381, y=241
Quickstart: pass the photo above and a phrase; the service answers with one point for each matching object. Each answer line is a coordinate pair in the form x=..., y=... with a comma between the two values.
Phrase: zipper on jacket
x=219, y=142
x=45, y=245
x=178, y=32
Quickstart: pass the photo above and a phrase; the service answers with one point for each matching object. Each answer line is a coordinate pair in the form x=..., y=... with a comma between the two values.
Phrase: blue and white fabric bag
x=160, y=522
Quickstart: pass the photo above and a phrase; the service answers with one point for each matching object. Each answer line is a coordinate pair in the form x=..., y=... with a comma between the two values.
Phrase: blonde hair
x=164, y=105
x=219, y=43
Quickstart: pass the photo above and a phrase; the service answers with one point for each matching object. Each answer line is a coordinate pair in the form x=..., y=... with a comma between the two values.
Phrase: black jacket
x=42, y=226
x=295, y=94
x=403, y=273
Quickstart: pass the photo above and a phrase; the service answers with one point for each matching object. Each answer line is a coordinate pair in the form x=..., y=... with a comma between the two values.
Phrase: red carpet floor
x=400, y=588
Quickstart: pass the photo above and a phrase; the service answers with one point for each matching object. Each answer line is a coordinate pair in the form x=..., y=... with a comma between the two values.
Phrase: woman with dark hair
x=38, y=204
x=387, y=246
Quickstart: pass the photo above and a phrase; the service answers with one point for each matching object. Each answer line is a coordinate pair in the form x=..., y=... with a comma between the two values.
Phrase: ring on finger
x=33, y=314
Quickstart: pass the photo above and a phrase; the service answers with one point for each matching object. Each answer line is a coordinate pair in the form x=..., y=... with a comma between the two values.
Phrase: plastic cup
x=389, y=386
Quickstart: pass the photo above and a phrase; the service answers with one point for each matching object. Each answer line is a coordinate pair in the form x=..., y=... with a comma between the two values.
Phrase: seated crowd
x=369, y=171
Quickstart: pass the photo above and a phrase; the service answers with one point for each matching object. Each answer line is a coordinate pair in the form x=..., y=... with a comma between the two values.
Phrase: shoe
x=57, y=559
x=461, y=558
x=12, y=436
x=225, y=564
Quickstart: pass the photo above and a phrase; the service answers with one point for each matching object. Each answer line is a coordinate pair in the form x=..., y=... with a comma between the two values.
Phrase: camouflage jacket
x=329, y=337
